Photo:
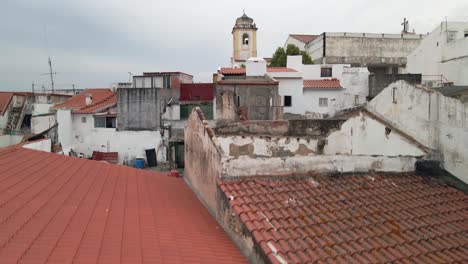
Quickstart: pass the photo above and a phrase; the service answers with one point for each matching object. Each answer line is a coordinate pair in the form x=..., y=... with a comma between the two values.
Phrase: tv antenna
x=51, y=73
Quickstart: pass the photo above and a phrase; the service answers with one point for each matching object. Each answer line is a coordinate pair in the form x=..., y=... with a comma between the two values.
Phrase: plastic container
x=139, y=163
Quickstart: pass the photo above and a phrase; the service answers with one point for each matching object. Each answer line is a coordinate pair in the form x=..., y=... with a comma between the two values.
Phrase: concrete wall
x=138, y=109
x=42, y=122
x=432, y=119
x=438, y=55
x=41, y=145
x=9, y=140
x=369, y=49
x=257, y=102
x=378, y=82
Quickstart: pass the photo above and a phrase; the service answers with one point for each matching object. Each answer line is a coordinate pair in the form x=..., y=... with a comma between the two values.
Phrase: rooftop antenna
x=51, y=73
x=405, y=25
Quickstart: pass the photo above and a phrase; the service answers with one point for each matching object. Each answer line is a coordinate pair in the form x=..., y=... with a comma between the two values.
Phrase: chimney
x=256, y=67
x=89, y=99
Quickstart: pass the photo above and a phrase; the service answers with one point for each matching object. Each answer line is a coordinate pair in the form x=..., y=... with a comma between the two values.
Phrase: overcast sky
x=95, y=43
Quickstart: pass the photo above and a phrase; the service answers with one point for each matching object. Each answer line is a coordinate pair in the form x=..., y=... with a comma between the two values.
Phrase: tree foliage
x=279, y=58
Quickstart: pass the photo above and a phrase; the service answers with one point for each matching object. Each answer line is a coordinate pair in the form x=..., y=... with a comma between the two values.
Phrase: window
x=451, y=35
x=326, y=72
x=323, y=102
x=466, y=34
x=104, y=122
x=167, y=82
x=394, y=95
x=245, y=39
x=83, y=119
x=287, y=100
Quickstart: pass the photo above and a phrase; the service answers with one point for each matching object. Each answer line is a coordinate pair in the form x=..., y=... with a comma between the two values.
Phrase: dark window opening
x=287, y=100
x=245, y=39
x=393, y=94
x=466, y=34
x=105, y=122
x=167, y=82
x=326, y=72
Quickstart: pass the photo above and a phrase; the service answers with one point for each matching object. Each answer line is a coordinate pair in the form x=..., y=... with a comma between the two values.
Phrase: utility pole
x=51, y=75
x=34, y=97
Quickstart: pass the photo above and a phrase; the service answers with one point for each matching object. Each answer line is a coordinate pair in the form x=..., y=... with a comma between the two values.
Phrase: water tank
x=139, y=163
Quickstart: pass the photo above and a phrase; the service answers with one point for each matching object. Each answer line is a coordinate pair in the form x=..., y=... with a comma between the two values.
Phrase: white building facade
x=442, y=57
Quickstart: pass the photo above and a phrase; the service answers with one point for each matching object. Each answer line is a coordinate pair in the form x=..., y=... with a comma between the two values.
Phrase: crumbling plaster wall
x=436, y=121
x=235, y=146
x=252, y=166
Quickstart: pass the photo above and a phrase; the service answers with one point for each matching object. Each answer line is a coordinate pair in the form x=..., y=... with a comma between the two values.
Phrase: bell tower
x=244, y=36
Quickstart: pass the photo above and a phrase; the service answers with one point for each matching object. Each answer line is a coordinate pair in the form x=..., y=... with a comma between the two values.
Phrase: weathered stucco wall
x=235, y=146
x=436, y=121
x=363, y=135
x=138, y=109
x=313, y=128
x=41, y=145
x=252, y=166
x=202, y=158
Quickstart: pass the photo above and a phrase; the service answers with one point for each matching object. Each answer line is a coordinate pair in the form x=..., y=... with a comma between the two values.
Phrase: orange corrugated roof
x=242, y=71
x=322, y=84
x=60, y=209
x=352, y=219
x=101, y=98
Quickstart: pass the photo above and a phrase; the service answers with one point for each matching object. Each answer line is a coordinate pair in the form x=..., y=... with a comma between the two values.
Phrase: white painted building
x=330, y=88
x=442, y=56
x=87, y=122
x=437, y=122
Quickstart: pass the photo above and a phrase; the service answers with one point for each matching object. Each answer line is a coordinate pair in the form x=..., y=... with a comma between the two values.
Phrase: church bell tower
x=244, y=36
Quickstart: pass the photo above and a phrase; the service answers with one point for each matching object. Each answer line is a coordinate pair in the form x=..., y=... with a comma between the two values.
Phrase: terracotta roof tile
x=242, y=71
x=101, y=99
x=60, y=209
x=304, y=38
x=322, y=84
x=354, y=219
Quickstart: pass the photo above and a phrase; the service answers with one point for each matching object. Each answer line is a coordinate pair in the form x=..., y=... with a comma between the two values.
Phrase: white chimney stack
x=89, y=99
x=255, y=67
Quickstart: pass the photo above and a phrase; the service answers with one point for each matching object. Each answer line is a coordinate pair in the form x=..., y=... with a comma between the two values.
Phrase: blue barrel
x=139, y=163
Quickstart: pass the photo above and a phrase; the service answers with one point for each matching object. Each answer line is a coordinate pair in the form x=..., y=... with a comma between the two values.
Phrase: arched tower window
x=245, y=39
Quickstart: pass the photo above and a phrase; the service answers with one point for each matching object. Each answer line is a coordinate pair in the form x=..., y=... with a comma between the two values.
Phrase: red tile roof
x=5, y=99
x=196, y=92
x=304, y=38
x=322, y=84
x=59, y=209
x=101, y=99
x=353, y=219
x=242, y=71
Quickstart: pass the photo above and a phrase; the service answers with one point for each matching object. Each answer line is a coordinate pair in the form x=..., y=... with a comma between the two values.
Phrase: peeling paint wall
x=202, y=158
x=236, y=146
x=436, y=121
x=248, y=166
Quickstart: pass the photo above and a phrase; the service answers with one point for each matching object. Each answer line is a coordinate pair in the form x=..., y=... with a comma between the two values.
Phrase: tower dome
x=244, y=20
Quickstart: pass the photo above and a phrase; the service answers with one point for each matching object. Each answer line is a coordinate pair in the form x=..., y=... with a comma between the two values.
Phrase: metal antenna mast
x=51, y=73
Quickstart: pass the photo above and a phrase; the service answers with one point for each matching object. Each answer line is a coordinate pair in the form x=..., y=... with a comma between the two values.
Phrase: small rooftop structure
x=60, y=209
x=90, y=101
